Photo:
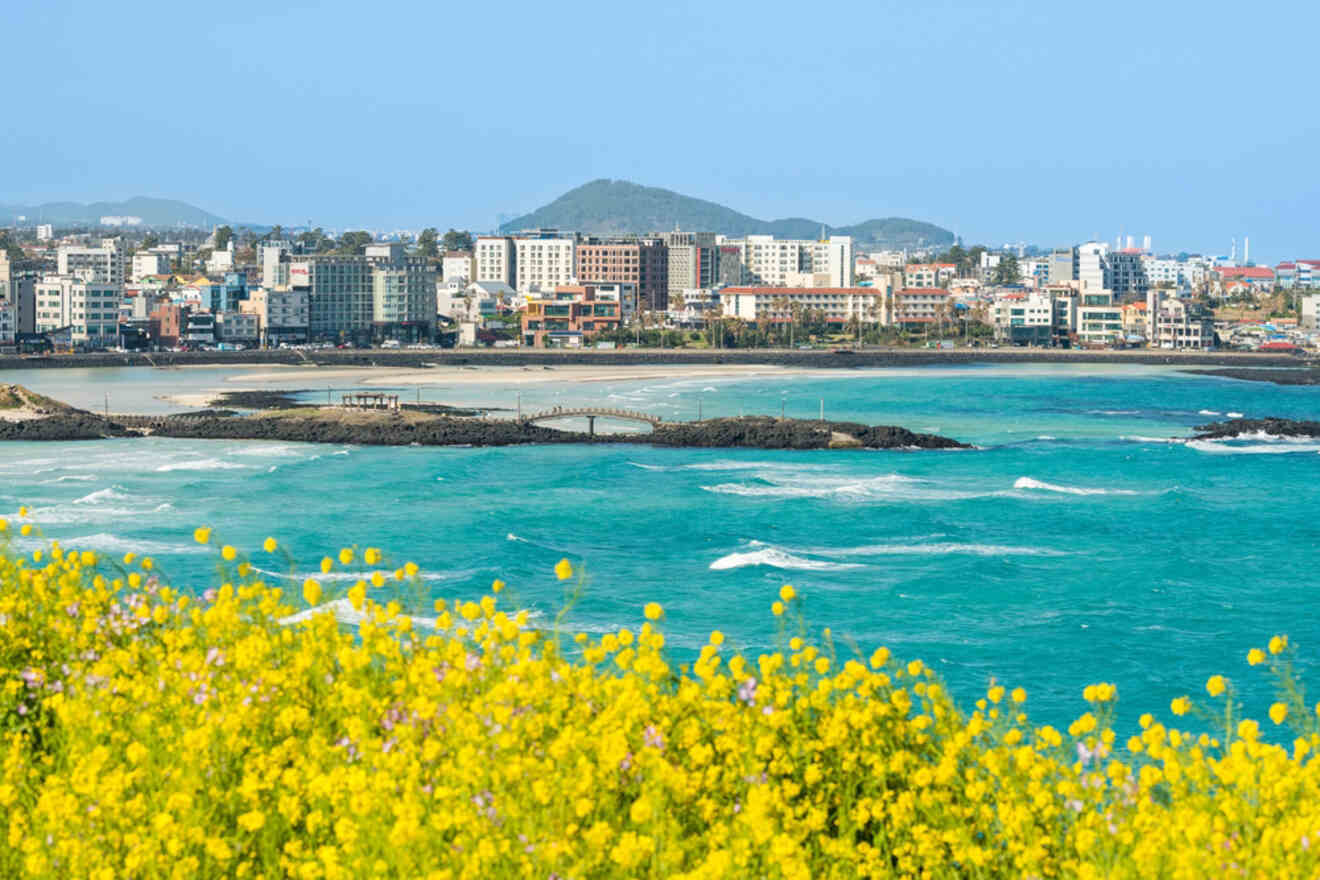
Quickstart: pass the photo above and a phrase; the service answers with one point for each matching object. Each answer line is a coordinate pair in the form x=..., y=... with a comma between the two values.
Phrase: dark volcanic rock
x=74, y=425
x=259, y=399
x=766, y=432
x=1273, y=427
x=756, y=432
x=1286, y=376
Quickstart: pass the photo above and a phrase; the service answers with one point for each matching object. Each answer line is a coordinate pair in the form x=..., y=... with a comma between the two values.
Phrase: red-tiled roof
x=1285, y=266
x=783, y=291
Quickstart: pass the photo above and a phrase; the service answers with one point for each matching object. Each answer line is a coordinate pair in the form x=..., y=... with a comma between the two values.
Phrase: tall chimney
x=1246, y=251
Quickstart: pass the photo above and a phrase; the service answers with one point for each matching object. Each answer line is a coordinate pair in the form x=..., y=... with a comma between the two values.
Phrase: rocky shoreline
x=1291, y=376
x=425, y=426
x=1272, y=427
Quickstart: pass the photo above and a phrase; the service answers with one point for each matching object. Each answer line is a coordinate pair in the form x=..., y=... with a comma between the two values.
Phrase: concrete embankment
x=816, y=359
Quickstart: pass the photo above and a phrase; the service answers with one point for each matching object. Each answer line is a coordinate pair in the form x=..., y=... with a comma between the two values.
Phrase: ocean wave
x=648, y=467
x=1112, y=412
x=345, y=613
x=776, y=558
x=1137, y=438
x=1046, y=437
x=109, y=543
x=890, y=487
x=1208, y=412
x=72, y=478
x=512, y=537
x=100, y=496
x=1030, y=483
x=1274, y=446
x=354, y=576
x=202, y=464
x=281, y=451
x=1234, y=415
x=938, y=549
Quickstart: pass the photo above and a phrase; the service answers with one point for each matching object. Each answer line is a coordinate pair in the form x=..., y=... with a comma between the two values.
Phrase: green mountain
x=618, y=207
x=154, y=212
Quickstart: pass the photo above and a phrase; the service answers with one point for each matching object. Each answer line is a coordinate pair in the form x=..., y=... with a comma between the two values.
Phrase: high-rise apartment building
x=382, y=294
x=18, y=285
x=495, y=260
x=99, y=265
x=693, y=261
x=833, y=258
x=640, y=261
x=543, y=260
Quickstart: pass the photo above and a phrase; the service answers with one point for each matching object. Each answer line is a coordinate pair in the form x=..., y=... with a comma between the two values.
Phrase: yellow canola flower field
x=146, y=733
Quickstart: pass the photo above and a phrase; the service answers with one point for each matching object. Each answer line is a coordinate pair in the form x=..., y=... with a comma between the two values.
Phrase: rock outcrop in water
x=1271, y=426
x=427, y=427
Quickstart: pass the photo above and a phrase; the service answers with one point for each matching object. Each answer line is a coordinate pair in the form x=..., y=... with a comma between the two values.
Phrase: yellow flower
x=777, y=608
x=1215, y=685
x=4, y=525
x=995, y=693
x=377, y=579
x=345, y=555
x=879, y=658
x=410, y=569
x=326, y=564
x=1248, y=729
x=25, y=529
x=653, y=611
x=357, y=595
x=1278, y=712
x=498, y=586
x=311, y=591
x=228, y=553
x=1019, y=695
x=1180, y=706
x=269, y=545
x=23, y=512
x=371, y=556
x=787, y=593
x=129, y=558
x=202, y=535
x=1277, y=644
x=252, y=821
x=148, y=563
x=1255, y=656
x=822, y=665
x=563, y=569
x=914, y=667
x=716, y=638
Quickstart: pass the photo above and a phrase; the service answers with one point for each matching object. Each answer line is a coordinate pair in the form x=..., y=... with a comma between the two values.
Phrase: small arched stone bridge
x=591, y=413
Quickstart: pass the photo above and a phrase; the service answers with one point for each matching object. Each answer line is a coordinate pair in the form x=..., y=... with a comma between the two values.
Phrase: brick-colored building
x=640, y=261
x=570, y=316
x=167, y=323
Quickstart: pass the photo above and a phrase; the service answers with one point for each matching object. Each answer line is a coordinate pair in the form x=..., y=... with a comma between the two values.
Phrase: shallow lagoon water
x=1075, y=544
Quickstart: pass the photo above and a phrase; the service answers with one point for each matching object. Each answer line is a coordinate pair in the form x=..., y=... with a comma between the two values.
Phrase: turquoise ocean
x=1078, y=542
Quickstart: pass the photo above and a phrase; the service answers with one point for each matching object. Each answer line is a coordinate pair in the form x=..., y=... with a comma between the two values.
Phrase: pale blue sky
x=1048, y=122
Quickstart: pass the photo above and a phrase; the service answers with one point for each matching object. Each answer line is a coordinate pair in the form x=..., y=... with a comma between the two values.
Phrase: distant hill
x=154, y=212
x=618, y=207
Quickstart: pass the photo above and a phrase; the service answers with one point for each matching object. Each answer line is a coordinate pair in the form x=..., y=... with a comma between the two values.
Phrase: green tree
x=1008, y=271
x=150, y=240
x=223, y=235
x=457, y=241
x=353, y=242
x=426, y=243
x=9, y=245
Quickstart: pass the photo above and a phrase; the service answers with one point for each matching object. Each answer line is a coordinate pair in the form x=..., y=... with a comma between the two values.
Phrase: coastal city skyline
x=1170, y=136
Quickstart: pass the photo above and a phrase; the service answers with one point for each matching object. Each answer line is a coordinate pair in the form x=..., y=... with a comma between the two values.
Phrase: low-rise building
x=834, y=305
x=149, y=263
x=8, y=322
x=1183, y=325
x=1025, y=318
x=915, y=307
x=458, y=266
x=568, y=317
x=1099, y=319
x=98, y=265
x=238, y=328
x=282, y=314
x=1310, y=305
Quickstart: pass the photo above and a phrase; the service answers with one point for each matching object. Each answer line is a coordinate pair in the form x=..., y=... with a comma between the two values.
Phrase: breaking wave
x=776, y=558
x=203, y=464
x=1039, y=485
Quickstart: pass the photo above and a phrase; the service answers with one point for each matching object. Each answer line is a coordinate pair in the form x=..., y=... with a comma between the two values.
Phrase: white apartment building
x=1311, y=311
x=922, y=305
x=457, y=266
x=148, y=263
x=1093, y=266
x=345, y=298
x=1037, y=271
x=90, y=309
x=838, y=305
x=220, y=261
x=1024, y=318
x=45, y=232
x=773, y=262
x=1162, y=272
x=833, y=258
x=99, y=265
x=1182, y=325
x=495, y=259
x=543, y=263
x=1099, y=320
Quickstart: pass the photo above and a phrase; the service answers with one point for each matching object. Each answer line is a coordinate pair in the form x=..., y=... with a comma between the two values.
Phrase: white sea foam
x=270, y=451
x=1137, y=438
x=1030, y=483
x=109, y=543
x=203, y=464
x=938, y=549
x=1208, y=412
x=512, y=537
x=1275, y=446
x=776, y=558
x=648, y=467
x=72, y=478
x=889, y=487
x=101, y=496
x=1112, y=412
x=1046, y=437
x=709, y=388
x=344, y=612
x=1234, y=415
